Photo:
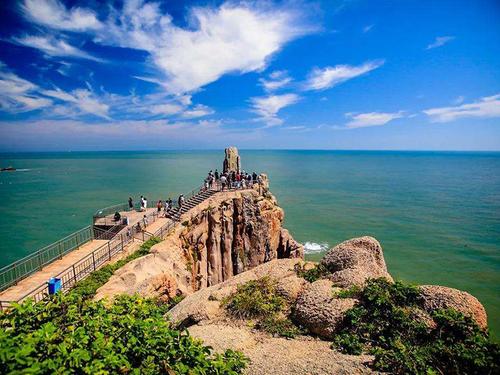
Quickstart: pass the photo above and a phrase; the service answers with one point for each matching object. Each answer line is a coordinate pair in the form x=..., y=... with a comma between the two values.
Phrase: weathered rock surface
x=354, y=261
x=231, y=160
x=279, y=356
x=205, y=304
x=319, y=310
x=441, y=297
x=229, y=233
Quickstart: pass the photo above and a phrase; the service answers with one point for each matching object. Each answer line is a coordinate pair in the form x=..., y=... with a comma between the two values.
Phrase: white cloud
x=232, y=38
x=362, y=120
x=53, y=47
x=267, y=107
x=325, y=78
x=166, y=109
x=19, y=95
x=459, y=100
x=54, y=14
x=277, y=80
x=440, y=41
x=199, y=110
x=486, y=107
x=82, y=99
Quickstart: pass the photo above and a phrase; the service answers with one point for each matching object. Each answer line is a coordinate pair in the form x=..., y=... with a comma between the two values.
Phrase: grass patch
x=71, y=335
x=383, y=324
x=87, y=287
x=352, y=292
x=258, y=299
x=317, y=272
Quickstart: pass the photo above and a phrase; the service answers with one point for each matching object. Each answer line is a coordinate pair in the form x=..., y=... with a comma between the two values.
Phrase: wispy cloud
x=367, y=28
x=53, y=47
x=199, y=110
x=440, y=41
x=486, y=107
x=363, y=120
x=54, y=14
x=19, y=95
x=325, y=78
x=82, y=99
x=267, y=107
x=276, y=80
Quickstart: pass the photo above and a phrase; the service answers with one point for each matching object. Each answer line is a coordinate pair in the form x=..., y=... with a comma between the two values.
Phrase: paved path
x=38, y=278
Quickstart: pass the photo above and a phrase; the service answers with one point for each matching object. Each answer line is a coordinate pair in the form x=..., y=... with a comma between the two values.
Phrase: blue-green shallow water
x=437, y=215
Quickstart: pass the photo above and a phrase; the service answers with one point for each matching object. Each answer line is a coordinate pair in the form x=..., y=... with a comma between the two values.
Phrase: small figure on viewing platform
x=130, y=203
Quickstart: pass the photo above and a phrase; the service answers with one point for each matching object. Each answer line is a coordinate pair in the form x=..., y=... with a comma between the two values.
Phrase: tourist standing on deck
x=145, y=221
x=130, y=203
x=223, y=181
x=142, y=203
x=145, y=203
x=159, y=205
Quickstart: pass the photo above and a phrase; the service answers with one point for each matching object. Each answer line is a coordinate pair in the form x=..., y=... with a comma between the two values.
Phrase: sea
x=436, y=214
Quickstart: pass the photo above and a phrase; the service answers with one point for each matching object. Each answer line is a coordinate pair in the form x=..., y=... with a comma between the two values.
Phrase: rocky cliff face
x=235, y=234
x=229, y=233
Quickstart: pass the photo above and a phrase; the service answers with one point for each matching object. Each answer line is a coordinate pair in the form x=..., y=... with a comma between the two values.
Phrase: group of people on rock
x=229, y=180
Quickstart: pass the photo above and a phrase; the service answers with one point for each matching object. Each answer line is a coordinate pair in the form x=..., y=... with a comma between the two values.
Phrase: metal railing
x=12, y=273
x=93, y=261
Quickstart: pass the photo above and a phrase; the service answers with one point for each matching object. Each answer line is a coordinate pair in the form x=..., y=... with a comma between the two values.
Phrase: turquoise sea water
x=437, y=215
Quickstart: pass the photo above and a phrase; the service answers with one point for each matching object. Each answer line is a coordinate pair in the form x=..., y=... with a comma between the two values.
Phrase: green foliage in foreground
x=71, y=335
x=312, y=274
x=384, y=324
x=87, y=287
x=259, y=299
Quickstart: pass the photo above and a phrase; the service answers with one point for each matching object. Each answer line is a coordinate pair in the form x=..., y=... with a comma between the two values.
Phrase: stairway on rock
x=175, y=214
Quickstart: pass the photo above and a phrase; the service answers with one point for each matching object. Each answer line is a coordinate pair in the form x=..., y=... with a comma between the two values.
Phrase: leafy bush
x=312, y=274
x=277, y=325
x=87, y=288
x=384, y=324
x=258, y=299
x=70, y=335
x=255, y=299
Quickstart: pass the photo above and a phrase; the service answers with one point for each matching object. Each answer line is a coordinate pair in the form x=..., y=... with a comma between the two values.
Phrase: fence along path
x=79, y=263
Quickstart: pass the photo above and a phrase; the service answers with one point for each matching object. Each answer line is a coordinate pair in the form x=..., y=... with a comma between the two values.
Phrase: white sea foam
x=313, y=247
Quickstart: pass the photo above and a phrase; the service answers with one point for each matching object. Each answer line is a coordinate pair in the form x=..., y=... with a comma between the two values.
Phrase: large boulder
x=205, y=305
x=354, y=261
x=319, y=310
x=441, y=297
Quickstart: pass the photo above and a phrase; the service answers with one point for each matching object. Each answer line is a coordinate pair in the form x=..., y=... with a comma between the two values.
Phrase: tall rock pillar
x=231, y=160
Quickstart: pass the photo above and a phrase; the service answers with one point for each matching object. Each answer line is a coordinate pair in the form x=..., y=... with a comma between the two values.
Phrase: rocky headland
x=234, y=242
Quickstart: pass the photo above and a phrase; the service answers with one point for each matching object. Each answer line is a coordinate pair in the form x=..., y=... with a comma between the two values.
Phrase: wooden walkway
x=36, y=279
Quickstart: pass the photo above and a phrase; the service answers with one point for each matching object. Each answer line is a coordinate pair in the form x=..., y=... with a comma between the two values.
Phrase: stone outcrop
x=354, y=261
x=441, y=297
x=227, y=234
x=319, y=310
x=231, y=160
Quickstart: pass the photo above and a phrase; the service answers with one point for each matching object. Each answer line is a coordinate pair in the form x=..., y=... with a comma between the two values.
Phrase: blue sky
x=136, y=75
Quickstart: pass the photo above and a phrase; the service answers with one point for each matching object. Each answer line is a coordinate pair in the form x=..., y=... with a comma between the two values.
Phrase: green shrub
x=279, y=326
x=384, y=324
x=70, y=335
x=258, y=299
x=255, y=299
x=87, y=287
x=352, y=292
x=313, y=274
